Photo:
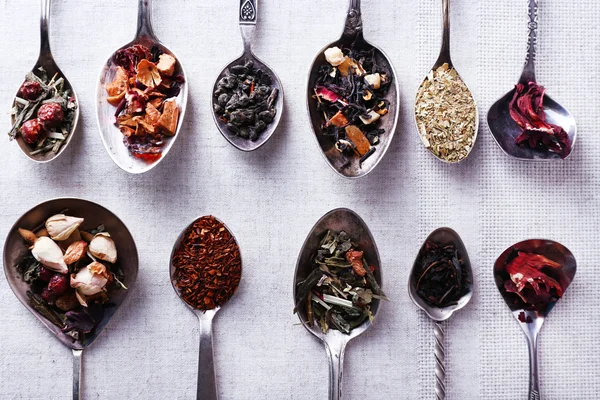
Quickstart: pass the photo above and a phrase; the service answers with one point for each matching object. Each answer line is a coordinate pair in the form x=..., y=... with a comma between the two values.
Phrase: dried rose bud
x=30, y=90
x=51, y=114
x=32, y=130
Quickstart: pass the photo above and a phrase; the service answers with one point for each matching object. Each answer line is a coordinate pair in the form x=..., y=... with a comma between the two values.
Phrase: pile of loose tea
x=527, y=110
x=245, y=100
x=339, y=291
x=208, y=265
x=440, y=275
x=446, y=114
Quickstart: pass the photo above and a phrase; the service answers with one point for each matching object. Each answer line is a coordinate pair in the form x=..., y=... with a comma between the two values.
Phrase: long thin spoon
x=248, y=18
x=105, y=112
x=46, y=61
x=444, y=237
x=505, y=130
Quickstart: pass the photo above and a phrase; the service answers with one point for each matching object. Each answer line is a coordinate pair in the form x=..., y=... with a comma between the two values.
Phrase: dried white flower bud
x=47, y=252
x=334, y=56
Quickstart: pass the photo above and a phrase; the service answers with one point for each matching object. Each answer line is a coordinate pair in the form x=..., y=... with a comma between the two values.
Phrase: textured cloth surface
x=271, y=198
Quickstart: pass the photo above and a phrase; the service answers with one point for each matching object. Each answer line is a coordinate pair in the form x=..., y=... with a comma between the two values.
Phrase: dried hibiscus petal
x=529, y=282
x=327, y=94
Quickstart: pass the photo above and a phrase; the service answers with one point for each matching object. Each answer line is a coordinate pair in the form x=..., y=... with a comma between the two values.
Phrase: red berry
x=45, y=274
x=51, y=114
x=48, y=295
x=32, y=130
x=30, y=90
x=58, y=284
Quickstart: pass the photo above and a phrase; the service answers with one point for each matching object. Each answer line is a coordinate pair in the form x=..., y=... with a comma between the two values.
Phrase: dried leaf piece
x=147, y=74
x=169, y=117
x=360, y=141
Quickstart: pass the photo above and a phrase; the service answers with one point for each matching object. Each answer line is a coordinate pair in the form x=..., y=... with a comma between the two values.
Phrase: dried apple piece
x=168, y=119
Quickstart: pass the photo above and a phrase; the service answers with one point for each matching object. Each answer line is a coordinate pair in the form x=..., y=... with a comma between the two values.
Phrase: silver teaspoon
x=352, y=36
x=504, y=128
x=105, y=112
x=443, y=237
x=207, y=383
x=335, y=342
x=444, y=58
x=248, y=17
x=46, y=61
x=531, y=317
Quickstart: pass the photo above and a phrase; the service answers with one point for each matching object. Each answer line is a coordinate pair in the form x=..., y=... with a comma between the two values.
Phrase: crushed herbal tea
x=350, y=92
x=245, y=100
x=208, y=265
x=446, y=115
x=527, y=110
x=339, y=291
x=144, y=92
x=440, y=275
x=43, y=112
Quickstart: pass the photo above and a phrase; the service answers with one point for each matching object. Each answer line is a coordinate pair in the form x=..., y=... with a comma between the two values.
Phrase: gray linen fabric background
x=272, y=197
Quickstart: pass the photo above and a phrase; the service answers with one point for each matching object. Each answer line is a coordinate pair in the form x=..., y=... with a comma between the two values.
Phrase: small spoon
x=444, y=237
x=505, y=130
x=46, y=61
x=112, y=138
x=248, y=16
x=94, y=214
x=531, y=319
x=352, y=36
x=337, y=220
x=444, y=58
x=207, y=383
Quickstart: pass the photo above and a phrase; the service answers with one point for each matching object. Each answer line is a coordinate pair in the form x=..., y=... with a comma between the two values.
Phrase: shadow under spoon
x=248, y=18
x=505, y=130
x=112, y=138
x=46, y=61
x=352, y=37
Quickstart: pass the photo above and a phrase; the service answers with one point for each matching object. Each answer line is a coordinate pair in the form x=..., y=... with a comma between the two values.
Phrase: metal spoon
x=105, y=112
x=248, y=17
x=352, y=36
x=444, y=58
x=531, y=320
x=207, y=384
x=444, y=237
x=505, y=130
x=94, y=214
x=46, y=61
x=337, y=220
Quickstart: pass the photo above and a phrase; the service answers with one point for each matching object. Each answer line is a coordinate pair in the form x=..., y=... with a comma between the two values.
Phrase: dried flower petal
x=47, y=252
x=147, y=74
x=61, y=226
x=104, y=248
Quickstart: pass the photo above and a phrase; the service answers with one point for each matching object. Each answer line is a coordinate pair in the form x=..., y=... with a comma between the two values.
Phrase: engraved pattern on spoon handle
x=44, y=28
x=77, y=355
x=354, y=24
x=248, y=12
x=207, y=383
x=529, y=68
x=440, y=370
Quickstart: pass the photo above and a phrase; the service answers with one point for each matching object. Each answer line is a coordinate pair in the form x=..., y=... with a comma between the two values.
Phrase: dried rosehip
x=58, y=284
x=45, y=274
x=30, y=90
x=32, y=130
x=48, y=296
x=51, y=114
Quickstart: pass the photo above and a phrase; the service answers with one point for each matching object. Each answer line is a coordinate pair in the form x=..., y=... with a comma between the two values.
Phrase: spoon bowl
x=47, y=62
x=337, y=220
x=112, y=138
x=352, y=37
x=207, y=385
x=505, y=130
x=248, y=18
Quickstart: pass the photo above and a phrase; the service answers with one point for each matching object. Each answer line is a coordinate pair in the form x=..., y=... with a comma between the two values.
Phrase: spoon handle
x=440, y=369
x=354, y=26
x=207, y=384
x=534, y=383
x=529, y=69
x=144, y=26
x=44, y=28
x=445, y=51
x=248, y=18
x=77, y=354
x=335, y=351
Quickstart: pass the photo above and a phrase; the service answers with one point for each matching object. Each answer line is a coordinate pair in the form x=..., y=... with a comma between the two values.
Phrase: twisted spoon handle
x=440, y=370
x=529, y=68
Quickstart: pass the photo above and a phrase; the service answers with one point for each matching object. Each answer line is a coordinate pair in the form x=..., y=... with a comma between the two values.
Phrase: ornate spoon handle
x=354, y=26
x=248, y=19
x=529, y=68
x=77, y=374
x=440, y=370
